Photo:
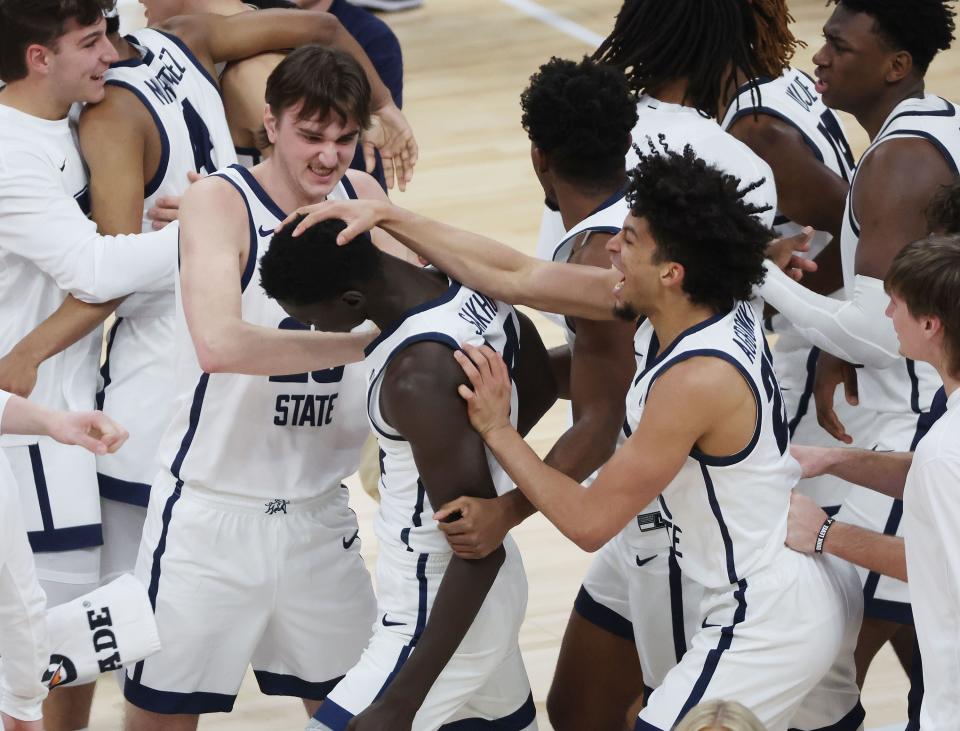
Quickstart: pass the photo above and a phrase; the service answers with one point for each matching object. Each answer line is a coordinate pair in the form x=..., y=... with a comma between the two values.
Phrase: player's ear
x=539, y=159
x=38, y=58
x=900, y=66
x=269, y=124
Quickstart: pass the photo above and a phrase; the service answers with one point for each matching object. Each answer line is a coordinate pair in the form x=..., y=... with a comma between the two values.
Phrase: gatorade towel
x=100, y=631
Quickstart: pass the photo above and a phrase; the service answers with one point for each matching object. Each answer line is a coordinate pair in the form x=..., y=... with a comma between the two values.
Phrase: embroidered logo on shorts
x=60, y=671
x=277, y=506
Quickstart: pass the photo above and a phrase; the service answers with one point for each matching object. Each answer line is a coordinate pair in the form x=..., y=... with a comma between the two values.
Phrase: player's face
x=313, y=153
x=913, y=333
x=632, y=253
x=334, y=316
x=159, y=11
x=78, y=61
x=852, y=62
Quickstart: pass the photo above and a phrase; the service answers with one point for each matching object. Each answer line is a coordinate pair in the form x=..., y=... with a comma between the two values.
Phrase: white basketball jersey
x=186, y=107
x=678, y=126
x=279, y=437
x=727, y=516
x=461, y=315
x=908, y=385
x=792, y=98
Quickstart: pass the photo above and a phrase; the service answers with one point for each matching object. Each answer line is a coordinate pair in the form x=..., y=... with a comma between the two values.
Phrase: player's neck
x=675, y=317
x=873, y=117
x=125, y=50
x=400, y=288
x=576, y=204
x=33, y=98
x=672, y=92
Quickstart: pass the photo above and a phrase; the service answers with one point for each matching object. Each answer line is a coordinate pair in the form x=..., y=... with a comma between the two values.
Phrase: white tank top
x=792, y=98
x=460, y=315
x=187, y=110
x=908, y=385
x=727, y=517
x=279, y=437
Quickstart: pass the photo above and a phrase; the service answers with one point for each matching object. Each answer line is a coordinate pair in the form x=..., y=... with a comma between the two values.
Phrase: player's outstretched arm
x=214, y=266
x=883, y=472
x=685, y=404
x=92, y=430
x=488, y=266
x=861, y=546
x=419, y=399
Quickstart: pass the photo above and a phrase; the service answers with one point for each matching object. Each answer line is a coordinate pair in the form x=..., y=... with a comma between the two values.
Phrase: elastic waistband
x=259, y=504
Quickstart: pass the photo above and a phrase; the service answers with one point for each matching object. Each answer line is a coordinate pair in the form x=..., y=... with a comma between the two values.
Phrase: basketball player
x=266, y=426
x=587, y=292
x=708, y=432
x=459, y=618
x=872, y=66
x=923, y=286
x=784, y=121
x=54, y=54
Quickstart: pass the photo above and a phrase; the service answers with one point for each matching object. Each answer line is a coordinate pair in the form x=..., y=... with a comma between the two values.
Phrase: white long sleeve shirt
x=23, y=629
x=48, y=248
x=931, y=515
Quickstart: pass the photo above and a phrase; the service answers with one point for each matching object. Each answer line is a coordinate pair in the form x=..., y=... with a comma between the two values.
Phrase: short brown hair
x=25, y=22
x=926, y=276
x=326, y=80
x=943, y=211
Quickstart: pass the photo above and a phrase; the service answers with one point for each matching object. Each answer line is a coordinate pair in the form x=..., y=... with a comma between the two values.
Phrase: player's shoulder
x=364, y=184
x=215, y=190
x=425, y=370
x=250, y=71
x=761, y=131
x=705, y=382
x=120, y=107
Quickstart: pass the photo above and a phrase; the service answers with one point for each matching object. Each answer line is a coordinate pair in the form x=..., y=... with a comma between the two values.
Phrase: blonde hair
x=719, y=715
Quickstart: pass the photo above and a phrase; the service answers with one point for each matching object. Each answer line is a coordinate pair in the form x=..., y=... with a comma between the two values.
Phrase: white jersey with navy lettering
x=793, y=99
x=728, y=515
x=907, y=386
x=676, y=126
x=461, y=315
x=280, y=437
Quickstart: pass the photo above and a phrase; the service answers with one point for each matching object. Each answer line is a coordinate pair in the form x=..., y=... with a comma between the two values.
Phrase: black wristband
x=822, y=535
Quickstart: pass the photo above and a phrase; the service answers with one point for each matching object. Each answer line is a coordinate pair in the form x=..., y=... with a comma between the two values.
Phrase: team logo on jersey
x=60, y=671
x=277, y=506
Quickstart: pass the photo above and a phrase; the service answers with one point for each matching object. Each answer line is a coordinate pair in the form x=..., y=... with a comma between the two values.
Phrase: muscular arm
x=243, y=85
x=891, y=215
x=808, y=192
x=452, y=462
x=213, y=255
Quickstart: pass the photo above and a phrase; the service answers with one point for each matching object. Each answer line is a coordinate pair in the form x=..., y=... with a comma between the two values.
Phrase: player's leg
x=598, y=677
x=324, y=608
x=206, y=565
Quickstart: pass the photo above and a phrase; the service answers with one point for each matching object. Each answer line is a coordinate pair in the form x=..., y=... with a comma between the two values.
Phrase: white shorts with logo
x=61, y=510
x=484, y=683
x=239, y=581
x=780, y=642
x=635, y=590
x=137, y=390
x=884, y=597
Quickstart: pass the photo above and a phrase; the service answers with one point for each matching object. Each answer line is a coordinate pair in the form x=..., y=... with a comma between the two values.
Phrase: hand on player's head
x=359, y=215
x=92, y=430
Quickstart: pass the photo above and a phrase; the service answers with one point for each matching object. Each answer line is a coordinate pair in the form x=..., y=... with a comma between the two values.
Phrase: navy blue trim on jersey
x=193, y=59
x=516, y=721
x=153, y=185
x=851, y=721
x=448, y=295
x=258, y=191
x=195, y=407
x=949, y=111
x=661, y=357
x=169, y=702
x=252, y=152
x=254, y=237
x=144, y=57
x=291, y=685
x=154, y=586
x=804, y=403
x=66, y=539
x=713, y=657
x=642, y=725
x=123, y=491
x=914, y=387
x=436, y=337
x=105, y=368
x=929, y=138
x=613, y=230
x=333, y=716
x=415, y=518
x=783, y=118
x=724, y=531
x=348, y=187
x=40, y=484
x=602, y=616
x=880, y=608
x=676, y=607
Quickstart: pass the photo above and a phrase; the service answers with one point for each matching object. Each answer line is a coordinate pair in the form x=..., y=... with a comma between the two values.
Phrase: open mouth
x=821, y=86
x=324, y=174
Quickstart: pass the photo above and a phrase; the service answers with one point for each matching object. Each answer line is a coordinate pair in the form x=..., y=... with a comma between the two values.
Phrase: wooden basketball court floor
x=465, y=66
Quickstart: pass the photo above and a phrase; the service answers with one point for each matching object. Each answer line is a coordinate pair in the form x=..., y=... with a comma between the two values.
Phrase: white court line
x=564, y=25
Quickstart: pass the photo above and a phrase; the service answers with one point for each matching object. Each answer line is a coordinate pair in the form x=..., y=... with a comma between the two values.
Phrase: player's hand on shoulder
x=383, y=715
x=830, y=373
x=786, y=254
x=803, y=523
x=167, y=208
x=488, y=401
x=18, y=373
x=474, y=527
x=92, y=430
x=390, y=132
